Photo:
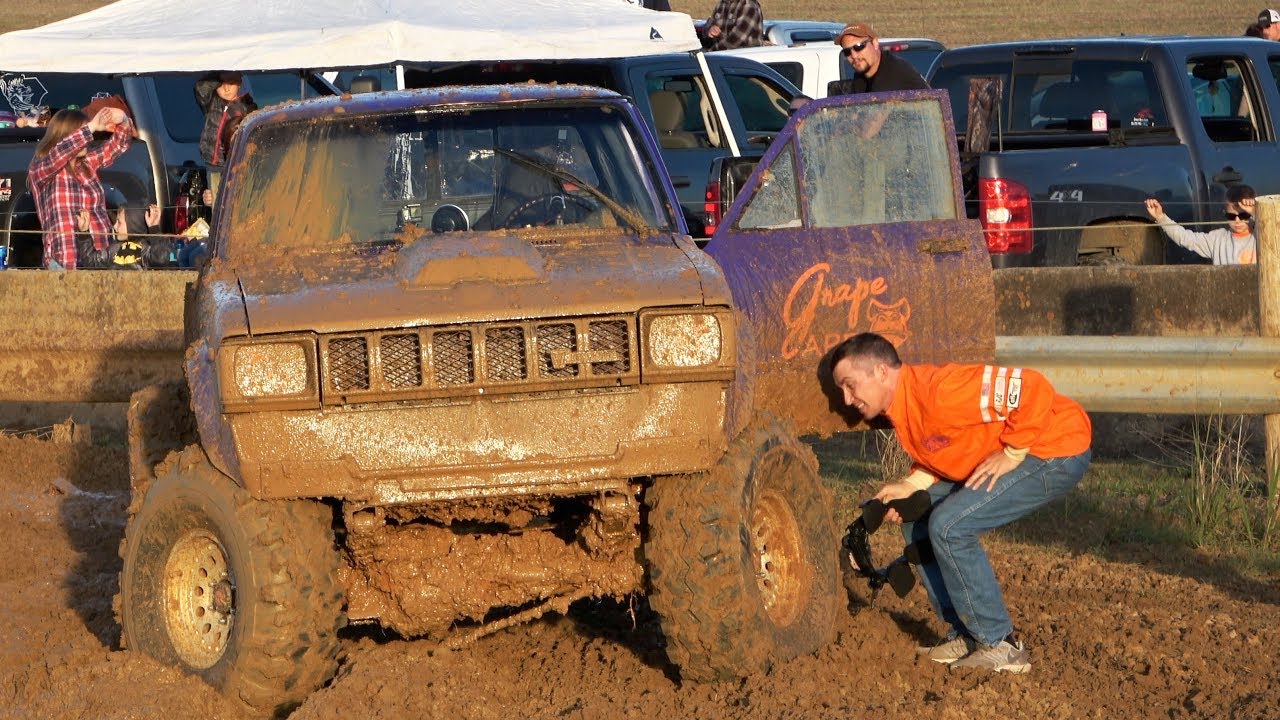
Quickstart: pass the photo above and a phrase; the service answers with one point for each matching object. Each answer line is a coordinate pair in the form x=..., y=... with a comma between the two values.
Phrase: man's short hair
x=1236, y=193
x=869, y=346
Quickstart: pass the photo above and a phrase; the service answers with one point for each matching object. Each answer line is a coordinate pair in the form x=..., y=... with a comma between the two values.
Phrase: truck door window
x=682, y=114
x=792, y=71
x=1224, y=101
x=761, y=105
x=859, y=164
x=876, y=163
x=774, y=204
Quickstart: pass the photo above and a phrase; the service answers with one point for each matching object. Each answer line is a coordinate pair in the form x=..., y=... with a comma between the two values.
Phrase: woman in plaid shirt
x=63, y=178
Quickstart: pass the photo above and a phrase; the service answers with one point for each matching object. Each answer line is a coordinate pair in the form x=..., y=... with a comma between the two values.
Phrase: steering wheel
x=544, y=204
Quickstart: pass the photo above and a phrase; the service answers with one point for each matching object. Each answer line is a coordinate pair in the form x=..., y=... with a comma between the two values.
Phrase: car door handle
x=680, y=180
x=936, y=246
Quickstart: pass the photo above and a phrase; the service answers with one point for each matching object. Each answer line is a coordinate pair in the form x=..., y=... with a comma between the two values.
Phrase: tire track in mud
x=1144, y=632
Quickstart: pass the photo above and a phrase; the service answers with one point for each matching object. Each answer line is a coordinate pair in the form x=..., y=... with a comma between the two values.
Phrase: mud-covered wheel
x=238, y=591
x=742, y=560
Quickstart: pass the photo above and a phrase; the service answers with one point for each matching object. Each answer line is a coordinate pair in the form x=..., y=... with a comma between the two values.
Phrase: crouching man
x=989, y=444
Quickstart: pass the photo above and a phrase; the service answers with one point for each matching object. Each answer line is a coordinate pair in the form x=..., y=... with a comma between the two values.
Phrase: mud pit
x=1141, y=632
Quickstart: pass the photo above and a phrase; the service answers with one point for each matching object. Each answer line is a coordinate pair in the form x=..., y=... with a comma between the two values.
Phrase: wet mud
x=1120, y=632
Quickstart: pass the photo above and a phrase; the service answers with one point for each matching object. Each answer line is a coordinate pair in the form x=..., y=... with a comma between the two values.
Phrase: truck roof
x=1130, y=43
x=399, y=100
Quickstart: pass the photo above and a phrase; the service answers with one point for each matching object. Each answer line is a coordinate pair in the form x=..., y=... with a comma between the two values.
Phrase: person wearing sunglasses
x=1233, y=245
x=874, y=70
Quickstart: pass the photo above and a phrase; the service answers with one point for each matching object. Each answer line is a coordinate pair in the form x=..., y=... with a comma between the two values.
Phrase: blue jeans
x=54, y=265
x=962, y=586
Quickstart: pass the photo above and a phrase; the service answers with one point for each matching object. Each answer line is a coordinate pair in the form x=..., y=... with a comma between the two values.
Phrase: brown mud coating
x=1137, y=632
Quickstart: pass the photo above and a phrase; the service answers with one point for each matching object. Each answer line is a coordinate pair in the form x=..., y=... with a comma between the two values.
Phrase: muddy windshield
x=342, y=183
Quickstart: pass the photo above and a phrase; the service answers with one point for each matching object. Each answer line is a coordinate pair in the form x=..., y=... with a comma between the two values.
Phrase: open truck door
x=853, y=221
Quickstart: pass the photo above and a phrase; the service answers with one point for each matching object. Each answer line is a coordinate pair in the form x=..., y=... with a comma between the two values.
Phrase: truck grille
x=504, y=357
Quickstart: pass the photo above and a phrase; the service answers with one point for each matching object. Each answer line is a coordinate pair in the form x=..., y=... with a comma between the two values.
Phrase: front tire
x=742, y=559
x=238, y=591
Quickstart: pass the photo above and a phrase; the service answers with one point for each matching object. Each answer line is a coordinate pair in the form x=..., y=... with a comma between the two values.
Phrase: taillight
x=713, y=211
x=181, y=213
x=1004, y=208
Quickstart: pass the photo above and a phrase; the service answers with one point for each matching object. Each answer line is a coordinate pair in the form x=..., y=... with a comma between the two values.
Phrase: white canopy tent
x=148, y=36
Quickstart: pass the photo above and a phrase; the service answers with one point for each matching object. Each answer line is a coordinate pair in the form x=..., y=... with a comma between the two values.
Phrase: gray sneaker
x=948, y=651
x=1004, y=656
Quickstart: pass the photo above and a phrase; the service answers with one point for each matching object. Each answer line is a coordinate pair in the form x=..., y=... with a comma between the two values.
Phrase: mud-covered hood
x=438, y=280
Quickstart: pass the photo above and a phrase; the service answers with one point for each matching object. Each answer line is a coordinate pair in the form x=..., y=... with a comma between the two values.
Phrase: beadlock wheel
x=781, y=573
x=742, y=558
x=198, y=590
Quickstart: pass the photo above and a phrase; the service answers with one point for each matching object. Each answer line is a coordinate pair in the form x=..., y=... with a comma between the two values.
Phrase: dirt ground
x=1129, y=632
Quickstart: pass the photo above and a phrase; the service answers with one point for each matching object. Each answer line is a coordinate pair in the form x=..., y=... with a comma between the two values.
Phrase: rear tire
x=238, y=591
x=742, y=559
x=1122, y=243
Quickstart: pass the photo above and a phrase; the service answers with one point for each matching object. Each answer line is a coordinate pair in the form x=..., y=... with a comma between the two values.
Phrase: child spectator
x=1233, y=245
x=63, y=178
x=221, y=98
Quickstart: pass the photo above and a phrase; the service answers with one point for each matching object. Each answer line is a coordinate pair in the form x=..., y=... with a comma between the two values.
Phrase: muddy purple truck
x=455, y=362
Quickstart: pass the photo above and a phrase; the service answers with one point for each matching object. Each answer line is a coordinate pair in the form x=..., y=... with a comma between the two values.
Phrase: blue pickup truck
x=1086, y=129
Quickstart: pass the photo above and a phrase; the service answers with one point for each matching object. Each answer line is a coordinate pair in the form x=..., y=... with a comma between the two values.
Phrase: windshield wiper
x=635, y=221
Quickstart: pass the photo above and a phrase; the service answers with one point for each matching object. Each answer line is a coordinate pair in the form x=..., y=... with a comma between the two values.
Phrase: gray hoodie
x=1218, y=245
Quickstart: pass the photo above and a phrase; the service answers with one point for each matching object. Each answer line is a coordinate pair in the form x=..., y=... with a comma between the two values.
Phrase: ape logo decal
x=889, y=320
x=22, y=92
x=855, y=306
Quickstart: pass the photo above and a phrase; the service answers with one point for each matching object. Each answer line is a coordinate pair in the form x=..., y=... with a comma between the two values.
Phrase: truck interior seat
x=1064, y=101
x=668, y=119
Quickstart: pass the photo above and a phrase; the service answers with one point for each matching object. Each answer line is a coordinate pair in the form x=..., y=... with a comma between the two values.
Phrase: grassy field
x=954, y=23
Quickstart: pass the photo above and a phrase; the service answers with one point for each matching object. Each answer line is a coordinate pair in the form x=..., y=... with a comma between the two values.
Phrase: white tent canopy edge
x=152, y=36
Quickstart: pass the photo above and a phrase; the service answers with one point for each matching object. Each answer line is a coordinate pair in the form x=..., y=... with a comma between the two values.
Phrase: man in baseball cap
x=1269, y=23
x=874, y=70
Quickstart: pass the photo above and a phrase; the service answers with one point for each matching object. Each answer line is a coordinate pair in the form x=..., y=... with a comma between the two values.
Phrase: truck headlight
x=279, y=372
x=685, y=340
x=687, y=343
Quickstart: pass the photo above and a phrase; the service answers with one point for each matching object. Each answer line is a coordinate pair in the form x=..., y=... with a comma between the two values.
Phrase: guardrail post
x=1267, y=231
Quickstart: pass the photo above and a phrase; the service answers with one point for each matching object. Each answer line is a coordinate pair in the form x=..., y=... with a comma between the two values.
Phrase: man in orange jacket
x=990, y=444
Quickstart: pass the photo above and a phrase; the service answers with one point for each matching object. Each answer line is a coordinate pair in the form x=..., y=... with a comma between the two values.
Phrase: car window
x=682, y=114
x=183, y=118
x=27, y=94
x=374, y=78
x=792, y=71
x=270, y=88
x=955, y=80
x=1224, y=101
x=1067, y=97
x=761, y=104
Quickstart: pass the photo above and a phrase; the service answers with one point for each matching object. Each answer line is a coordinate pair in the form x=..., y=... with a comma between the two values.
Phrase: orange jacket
x=948, y=418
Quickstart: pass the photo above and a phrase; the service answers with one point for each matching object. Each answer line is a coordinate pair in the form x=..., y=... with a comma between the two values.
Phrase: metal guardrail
x=1176, y=375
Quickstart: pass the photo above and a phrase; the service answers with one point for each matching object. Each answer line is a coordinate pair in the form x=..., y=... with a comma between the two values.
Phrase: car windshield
x=349, y=182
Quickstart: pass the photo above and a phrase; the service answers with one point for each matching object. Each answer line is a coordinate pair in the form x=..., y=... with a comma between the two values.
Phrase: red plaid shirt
x=741, y=24
x=61, y=191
